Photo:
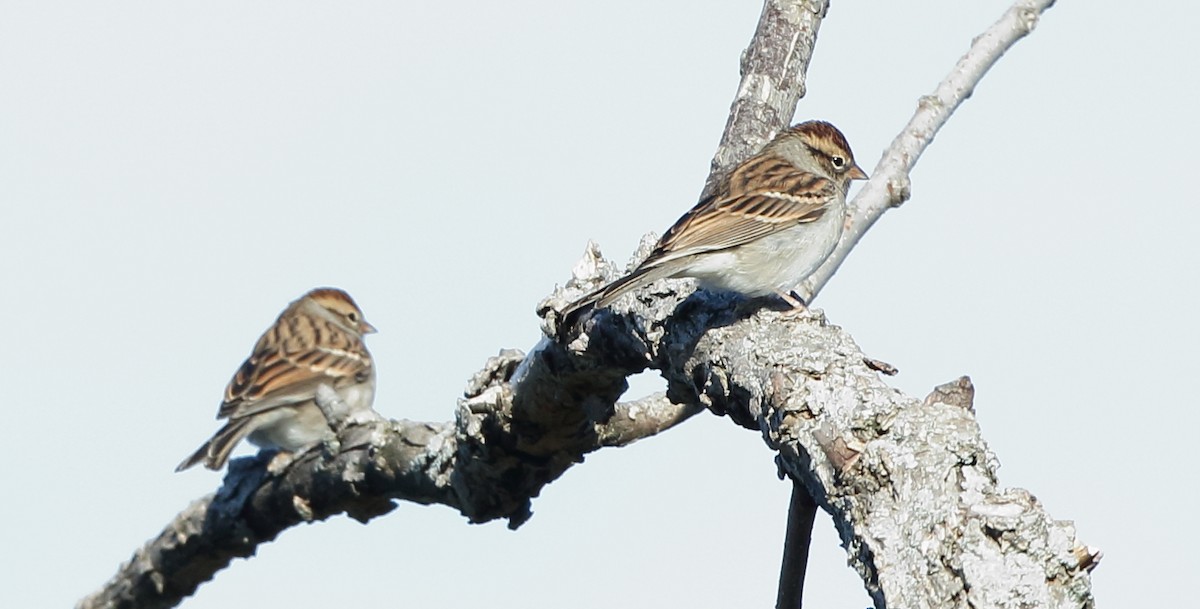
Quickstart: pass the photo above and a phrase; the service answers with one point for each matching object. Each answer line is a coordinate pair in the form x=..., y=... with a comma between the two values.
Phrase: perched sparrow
x=317, y=340
x=768, y=225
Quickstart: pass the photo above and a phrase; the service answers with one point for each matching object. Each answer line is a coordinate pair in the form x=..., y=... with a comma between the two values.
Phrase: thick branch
x=774, y=66
x=890, y=187
x=164, y=571
x=911, y=484
x=469, y=464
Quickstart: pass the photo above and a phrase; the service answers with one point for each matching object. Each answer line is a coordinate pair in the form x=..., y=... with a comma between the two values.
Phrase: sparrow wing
x=290, y=361
x=762, y=196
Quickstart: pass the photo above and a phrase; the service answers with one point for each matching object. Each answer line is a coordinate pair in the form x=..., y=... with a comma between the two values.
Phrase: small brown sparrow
x=317, y=340
x=768, y=225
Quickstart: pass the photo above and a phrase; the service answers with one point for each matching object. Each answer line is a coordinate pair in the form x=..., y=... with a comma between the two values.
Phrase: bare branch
x=911, y=484
x=802, y=511
x=651, y=415
x=774, y=67
x=889, y=185
x=396, y=461
x=471, y=464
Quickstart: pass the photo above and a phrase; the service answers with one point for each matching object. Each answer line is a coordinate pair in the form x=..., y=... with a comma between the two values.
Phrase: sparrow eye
x=838, y=162
x=352, y=316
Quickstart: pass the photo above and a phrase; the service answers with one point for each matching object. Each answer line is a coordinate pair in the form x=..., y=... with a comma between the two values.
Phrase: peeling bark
x=910, y=483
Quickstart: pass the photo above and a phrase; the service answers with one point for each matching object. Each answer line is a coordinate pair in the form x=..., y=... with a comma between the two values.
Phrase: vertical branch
x=774, y=70
x=802, y=511
x=774, y=67
x=773, y=81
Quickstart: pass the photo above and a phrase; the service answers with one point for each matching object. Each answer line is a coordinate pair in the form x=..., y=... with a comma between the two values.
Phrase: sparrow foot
x=281, y=461
x=797, y=303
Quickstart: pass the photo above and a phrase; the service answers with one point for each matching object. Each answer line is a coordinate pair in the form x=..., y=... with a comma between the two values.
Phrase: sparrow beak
x=856, y=173
x=366, y=328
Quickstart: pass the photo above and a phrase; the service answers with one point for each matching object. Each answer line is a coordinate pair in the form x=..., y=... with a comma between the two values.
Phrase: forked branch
x=911, y=484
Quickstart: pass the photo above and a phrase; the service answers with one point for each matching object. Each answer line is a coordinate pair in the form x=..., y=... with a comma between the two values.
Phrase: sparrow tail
x=215, y=452
x=605, y=296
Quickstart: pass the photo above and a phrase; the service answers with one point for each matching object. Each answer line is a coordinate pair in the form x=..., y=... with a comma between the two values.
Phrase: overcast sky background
x=172, y=174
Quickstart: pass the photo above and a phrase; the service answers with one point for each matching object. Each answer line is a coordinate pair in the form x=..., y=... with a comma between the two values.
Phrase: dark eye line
x=832, y=157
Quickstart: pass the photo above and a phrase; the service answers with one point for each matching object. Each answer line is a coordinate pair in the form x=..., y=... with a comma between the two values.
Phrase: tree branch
x=890, y=185
x=773, y=69
x=802, y=511
x=633, y=421
x=470, y=464
x=911, y=484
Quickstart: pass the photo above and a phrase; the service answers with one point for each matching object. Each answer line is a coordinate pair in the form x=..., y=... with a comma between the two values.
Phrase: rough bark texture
x=472, y=464
x=910, y=483
x=773, y=70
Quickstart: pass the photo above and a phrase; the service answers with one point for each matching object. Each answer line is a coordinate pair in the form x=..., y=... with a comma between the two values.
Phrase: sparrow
x=768, y=224
x=271, y=400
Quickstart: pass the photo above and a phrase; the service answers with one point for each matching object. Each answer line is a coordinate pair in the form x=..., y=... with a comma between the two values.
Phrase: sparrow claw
x=280, y=462
x=330, y=447
x=797, y=303
x=335, y=410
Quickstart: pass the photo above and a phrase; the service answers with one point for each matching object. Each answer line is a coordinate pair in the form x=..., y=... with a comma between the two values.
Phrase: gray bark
x=910, y=483
x=773, y=72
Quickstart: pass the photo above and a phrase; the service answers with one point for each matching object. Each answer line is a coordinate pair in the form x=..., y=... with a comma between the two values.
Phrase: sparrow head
x=341, y=308
x=824, y=144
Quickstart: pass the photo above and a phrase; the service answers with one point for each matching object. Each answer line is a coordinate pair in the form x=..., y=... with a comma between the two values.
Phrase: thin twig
x=802, y=511
x=889, y=185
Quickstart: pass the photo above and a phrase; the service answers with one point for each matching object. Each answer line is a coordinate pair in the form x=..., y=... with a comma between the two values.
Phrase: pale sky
x=172, y=174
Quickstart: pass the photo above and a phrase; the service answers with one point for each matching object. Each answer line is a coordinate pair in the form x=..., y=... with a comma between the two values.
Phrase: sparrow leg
x=330, y=447
x=281, y=461
x=798, y=305
x=332, y=406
